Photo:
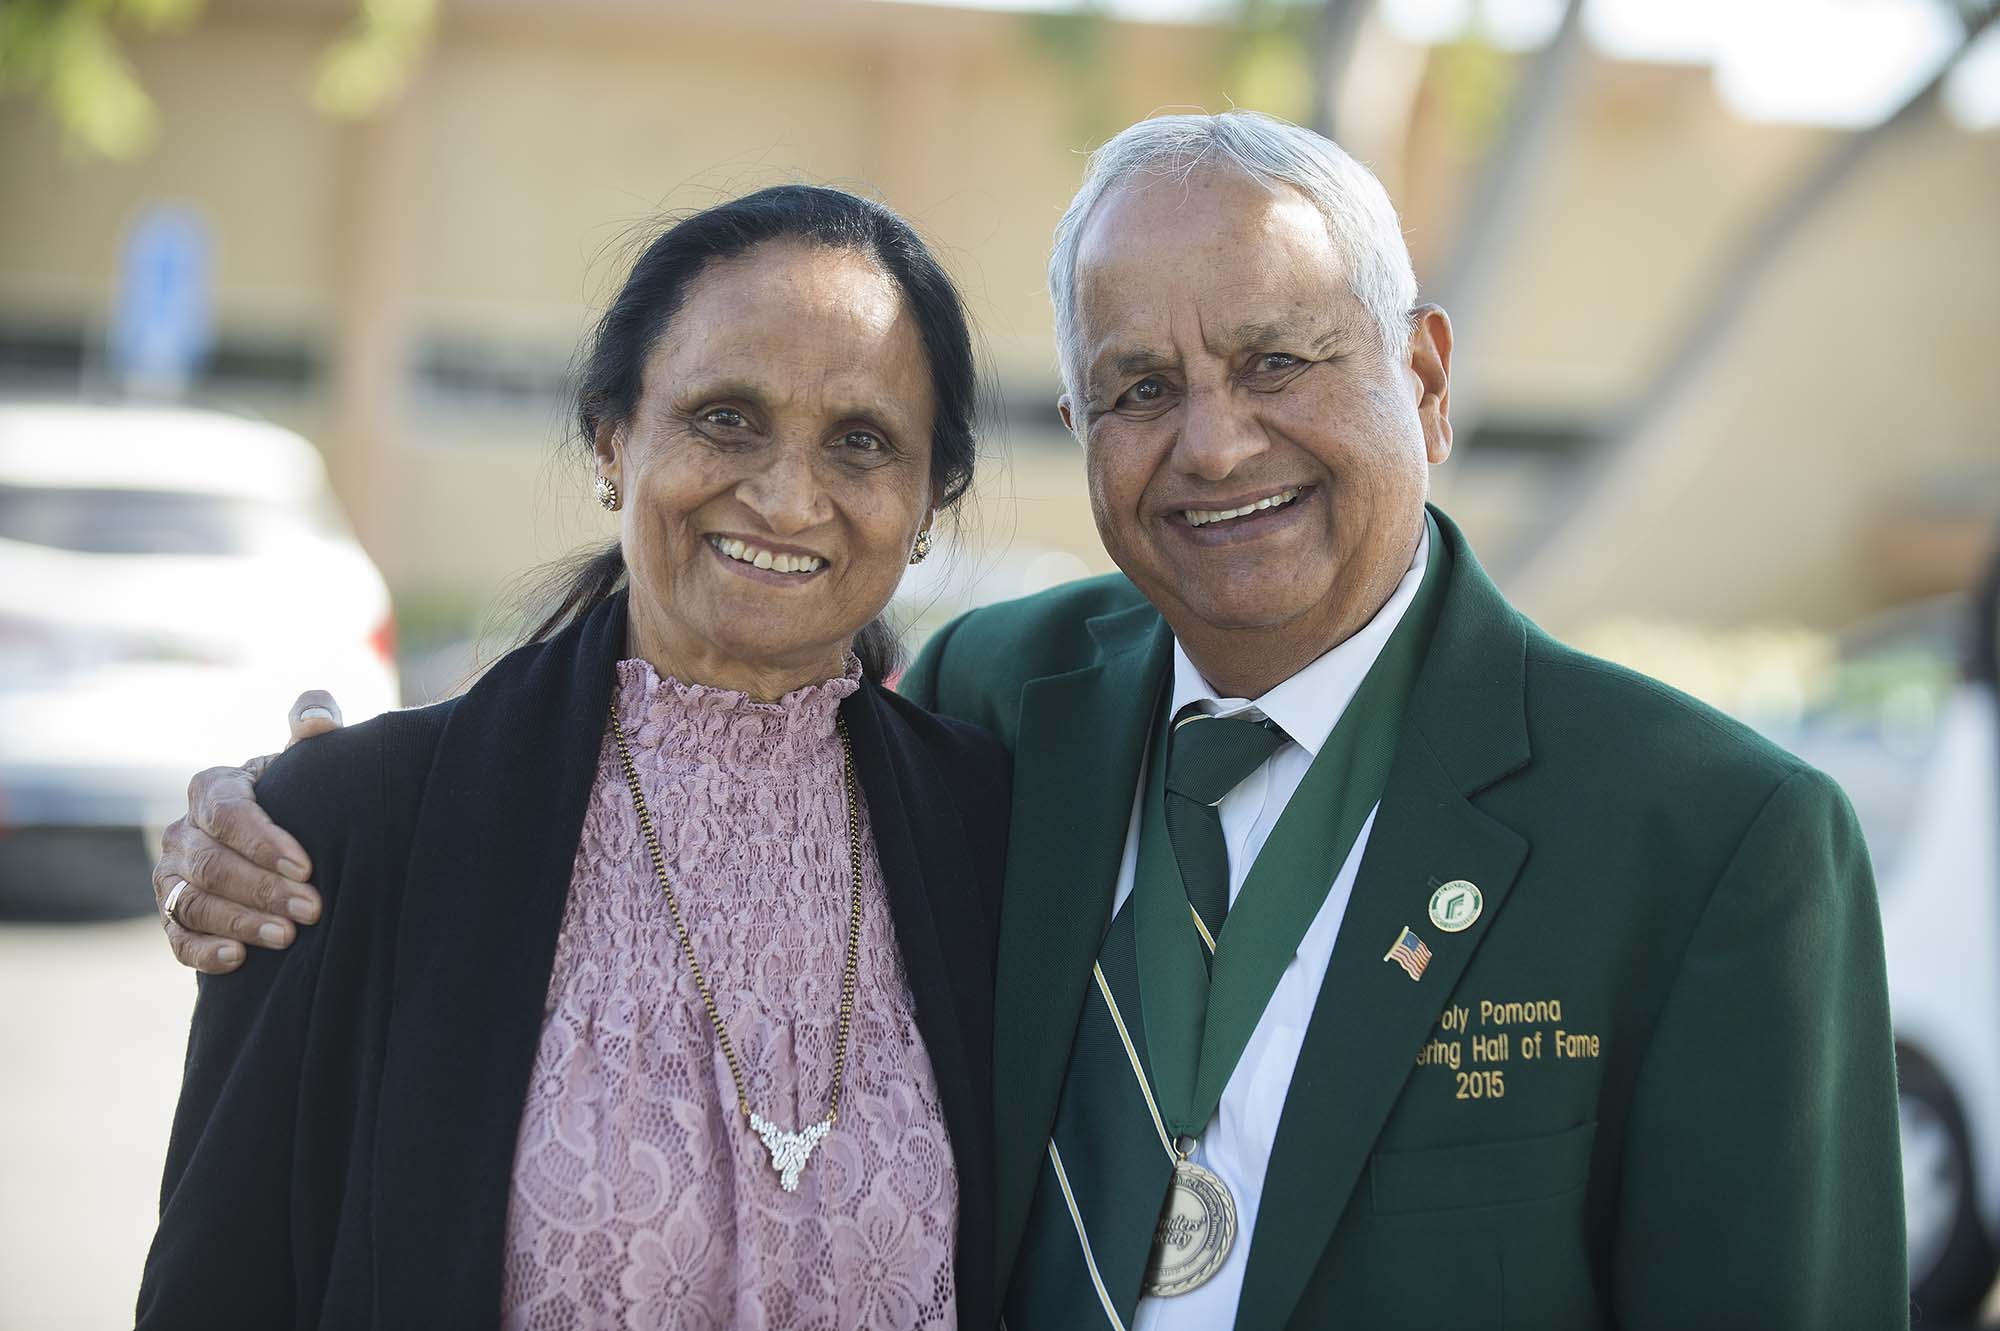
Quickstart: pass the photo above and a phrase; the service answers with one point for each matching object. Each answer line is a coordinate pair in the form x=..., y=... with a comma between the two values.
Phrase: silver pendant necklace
x=789, y=1150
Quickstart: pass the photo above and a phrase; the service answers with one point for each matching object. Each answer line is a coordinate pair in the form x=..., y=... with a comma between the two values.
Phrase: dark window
x=145, y=522
x=1532, y=436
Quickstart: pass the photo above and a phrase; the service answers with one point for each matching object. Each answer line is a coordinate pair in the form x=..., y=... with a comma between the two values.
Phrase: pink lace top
x=641, y=1198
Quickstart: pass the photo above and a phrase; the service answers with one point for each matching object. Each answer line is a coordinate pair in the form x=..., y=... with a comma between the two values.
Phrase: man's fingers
x=222, y=804
x=211, y=956
x=244, y=828
x=245, y=875
x=212, y=787
x=314, y=713
x=222, y=920
x=218, y=871
x=216, y=956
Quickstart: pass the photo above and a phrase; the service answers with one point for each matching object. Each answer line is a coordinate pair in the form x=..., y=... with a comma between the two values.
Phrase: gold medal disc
x=1196, y=1230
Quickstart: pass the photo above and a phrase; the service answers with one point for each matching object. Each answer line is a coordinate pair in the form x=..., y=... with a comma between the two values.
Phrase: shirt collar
x=1310, y=703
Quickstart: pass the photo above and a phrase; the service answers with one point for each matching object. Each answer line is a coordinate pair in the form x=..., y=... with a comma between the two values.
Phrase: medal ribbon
x=1200, y=1014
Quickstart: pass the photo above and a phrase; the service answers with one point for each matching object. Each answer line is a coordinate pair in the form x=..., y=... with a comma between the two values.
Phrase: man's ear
x=1430, y=378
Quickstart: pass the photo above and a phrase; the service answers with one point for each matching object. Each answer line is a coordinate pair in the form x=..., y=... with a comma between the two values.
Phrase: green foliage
x=369, y=65
x=65, y=53
x=1073, y=45
x=1476, y=81
x=1266, y=58
x=1263, y=59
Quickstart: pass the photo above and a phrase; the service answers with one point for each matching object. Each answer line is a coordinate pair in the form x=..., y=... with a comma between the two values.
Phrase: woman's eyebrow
x=722, y=385
x=885, y=412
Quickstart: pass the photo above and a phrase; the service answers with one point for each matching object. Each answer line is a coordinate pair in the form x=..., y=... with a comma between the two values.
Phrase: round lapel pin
x=1456, y=906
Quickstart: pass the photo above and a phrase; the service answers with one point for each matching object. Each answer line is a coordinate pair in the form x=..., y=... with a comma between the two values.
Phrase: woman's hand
x=246, y=876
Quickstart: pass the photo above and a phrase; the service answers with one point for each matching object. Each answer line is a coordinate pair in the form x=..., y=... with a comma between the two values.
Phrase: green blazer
x=1653, y=1085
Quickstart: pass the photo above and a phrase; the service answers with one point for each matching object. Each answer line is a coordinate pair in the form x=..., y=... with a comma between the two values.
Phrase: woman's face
x=777, y=469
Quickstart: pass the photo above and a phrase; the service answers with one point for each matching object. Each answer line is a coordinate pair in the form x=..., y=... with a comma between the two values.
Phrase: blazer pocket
x=1525, y=1169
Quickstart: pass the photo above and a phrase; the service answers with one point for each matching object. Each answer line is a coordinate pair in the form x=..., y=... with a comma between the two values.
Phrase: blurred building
x=408, y=291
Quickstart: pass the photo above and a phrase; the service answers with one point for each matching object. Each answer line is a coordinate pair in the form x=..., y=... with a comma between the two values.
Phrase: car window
x=147, y=522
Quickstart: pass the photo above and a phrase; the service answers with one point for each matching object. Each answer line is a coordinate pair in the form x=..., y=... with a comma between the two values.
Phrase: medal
x=1196, y=1230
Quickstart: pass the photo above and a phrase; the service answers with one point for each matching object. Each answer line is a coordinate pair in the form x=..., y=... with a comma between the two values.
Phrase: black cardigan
x=342, y=1154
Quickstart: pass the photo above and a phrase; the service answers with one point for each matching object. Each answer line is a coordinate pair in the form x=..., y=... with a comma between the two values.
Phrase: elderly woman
x=653, y=981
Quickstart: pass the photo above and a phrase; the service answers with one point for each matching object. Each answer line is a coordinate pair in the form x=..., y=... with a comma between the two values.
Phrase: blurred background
x=289, y=291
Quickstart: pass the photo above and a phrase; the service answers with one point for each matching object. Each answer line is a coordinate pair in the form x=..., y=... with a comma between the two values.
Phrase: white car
x=1913, y=735
x=170, y=579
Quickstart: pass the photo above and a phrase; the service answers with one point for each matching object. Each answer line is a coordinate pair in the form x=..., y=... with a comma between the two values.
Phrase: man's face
x=1224, y=365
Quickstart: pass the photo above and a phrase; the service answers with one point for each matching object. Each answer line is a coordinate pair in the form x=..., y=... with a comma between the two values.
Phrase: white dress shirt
x=1237, y=1143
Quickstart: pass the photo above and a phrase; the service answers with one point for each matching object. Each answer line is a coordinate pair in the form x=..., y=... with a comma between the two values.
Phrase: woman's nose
x=785, y=492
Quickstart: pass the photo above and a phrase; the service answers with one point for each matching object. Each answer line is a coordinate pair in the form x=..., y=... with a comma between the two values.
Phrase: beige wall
x=1646, y=188
x=493, y=205
x=240, y=142
x=1857, y=394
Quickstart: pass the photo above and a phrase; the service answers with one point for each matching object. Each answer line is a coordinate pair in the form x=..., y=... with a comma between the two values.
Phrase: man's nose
x=1219, y=433
x=785, y=492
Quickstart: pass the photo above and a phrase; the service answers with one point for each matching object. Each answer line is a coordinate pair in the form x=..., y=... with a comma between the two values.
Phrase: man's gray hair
x=1359, y=216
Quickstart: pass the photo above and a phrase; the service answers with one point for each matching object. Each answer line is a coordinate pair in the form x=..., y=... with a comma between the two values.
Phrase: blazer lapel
x=490, y=867
x=1465, y=729
x=1082, y=740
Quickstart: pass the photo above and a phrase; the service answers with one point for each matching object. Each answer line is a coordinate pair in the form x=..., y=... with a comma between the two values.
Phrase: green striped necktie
x=1207, y=757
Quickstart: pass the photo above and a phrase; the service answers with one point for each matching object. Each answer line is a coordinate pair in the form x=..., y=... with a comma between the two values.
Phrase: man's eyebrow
x=1310, y=332
x=1127, y=364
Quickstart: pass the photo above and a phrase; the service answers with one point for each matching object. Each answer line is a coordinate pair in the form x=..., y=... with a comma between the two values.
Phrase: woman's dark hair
x=611, y=372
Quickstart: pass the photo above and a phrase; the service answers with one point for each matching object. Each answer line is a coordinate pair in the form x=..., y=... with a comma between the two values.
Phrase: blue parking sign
x=162, y=328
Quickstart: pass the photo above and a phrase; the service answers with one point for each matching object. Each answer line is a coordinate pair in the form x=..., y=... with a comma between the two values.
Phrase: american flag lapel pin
x=1410, y=952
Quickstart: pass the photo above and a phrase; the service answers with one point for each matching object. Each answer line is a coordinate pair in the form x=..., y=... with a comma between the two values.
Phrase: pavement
x=97, y=1018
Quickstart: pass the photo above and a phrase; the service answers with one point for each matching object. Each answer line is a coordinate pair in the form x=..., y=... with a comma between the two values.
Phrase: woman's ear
x=605, y=446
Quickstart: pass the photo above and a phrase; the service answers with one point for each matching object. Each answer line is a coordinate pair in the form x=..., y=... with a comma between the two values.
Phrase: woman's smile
x=768, y=562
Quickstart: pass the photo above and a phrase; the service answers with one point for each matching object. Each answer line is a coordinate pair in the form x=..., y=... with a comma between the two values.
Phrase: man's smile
x=1248, y=518
x=1204, y=517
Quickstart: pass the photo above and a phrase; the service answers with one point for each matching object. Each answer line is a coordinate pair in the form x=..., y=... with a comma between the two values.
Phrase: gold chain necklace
x=789, y=1150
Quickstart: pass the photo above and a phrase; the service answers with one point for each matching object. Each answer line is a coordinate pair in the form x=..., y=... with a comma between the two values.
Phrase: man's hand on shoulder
x=245, y=877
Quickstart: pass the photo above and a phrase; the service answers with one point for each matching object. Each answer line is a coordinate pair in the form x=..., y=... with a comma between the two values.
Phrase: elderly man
x=1369, y=959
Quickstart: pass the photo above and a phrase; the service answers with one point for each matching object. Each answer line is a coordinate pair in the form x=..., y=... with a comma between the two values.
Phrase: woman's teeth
x=1201, y=517
x=761, y=558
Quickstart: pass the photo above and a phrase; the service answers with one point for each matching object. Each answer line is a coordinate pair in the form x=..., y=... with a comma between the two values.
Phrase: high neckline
x=669, y=719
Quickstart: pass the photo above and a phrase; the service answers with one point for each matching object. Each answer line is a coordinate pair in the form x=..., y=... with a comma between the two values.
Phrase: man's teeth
x=1201, y=517
x=761, y=558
